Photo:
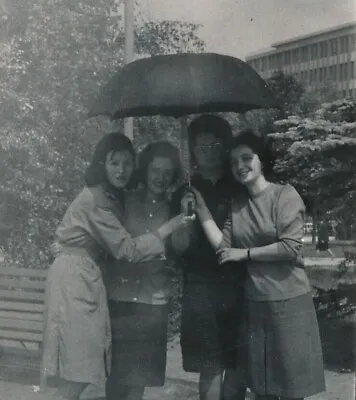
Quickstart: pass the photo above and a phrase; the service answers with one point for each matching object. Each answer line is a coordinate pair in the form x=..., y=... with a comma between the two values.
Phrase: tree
x=287, y=91
x=294, y=97
x=54, y=57
x=316, y=155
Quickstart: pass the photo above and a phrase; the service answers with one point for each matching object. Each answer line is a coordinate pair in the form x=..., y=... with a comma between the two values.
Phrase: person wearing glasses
x=212, y=296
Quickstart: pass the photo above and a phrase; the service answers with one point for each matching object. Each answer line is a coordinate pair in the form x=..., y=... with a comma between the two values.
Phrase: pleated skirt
x=283, y=349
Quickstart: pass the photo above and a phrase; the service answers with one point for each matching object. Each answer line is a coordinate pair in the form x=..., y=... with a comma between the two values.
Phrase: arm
x=110, y=233
x=210, y=228
x=182, y=238
x=289, y=225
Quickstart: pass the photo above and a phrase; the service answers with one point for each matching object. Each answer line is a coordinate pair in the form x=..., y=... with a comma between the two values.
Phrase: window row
x=309, y=52
x=338, y=73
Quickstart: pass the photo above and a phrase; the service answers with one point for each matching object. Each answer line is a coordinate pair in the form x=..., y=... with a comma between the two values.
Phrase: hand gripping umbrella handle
x=190, y=211
x=186, y=160
x=190, y=204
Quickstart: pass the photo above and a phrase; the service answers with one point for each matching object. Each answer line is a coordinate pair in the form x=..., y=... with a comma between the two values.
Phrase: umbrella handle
x=190, y=211
x=190, y=208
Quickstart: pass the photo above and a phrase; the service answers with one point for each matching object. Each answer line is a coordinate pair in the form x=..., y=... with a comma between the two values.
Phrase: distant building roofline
x=263, y=52
x=275, y=46
x=351, y=24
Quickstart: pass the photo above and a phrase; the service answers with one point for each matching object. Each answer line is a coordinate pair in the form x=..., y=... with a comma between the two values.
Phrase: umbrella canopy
x=182, y=84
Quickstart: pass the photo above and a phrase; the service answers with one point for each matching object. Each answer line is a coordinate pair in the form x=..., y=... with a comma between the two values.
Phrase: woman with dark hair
x=212, y=296
x=264, y=230
x=138, y=292
x=77, y=334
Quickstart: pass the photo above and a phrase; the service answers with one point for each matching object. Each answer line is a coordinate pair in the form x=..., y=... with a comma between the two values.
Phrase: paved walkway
x=184, y=386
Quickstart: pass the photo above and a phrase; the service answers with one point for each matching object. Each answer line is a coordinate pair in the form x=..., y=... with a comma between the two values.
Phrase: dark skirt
x=211, y=316
x=139, y=343
x=284, y=355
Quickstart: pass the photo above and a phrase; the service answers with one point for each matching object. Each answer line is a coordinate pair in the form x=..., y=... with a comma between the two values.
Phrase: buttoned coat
x=77, y=334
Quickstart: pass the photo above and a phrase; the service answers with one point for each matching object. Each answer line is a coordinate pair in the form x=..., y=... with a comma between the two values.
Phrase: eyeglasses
x=212, y=146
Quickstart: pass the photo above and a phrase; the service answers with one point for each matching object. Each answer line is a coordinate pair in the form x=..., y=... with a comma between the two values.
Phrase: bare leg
x=234, y=386
x=210, y=382
x=70, y=390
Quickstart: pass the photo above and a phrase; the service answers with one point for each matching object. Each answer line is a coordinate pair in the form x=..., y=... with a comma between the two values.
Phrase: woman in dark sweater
x=212, y=296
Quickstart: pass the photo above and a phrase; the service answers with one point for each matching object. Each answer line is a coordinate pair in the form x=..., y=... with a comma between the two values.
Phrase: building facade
x=319, y=58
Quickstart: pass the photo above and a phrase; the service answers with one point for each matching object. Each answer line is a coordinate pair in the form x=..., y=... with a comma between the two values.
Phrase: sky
x=241, y=27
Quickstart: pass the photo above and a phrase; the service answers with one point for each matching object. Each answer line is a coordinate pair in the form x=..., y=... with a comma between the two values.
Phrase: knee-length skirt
x=77, y=334
x=284, y=356
x=139, y=339
x=211, y=323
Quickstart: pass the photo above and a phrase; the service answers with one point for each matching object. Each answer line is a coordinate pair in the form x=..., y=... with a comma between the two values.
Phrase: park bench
x=21, y=321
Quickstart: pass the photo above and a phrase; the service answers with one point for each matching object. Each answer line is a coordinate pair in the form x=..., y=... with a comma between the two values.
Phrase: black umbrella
x=182, y=84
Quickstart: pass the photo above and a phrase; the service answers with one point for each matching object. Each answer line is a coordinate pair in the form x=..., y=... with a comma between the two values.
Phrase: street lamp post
x=129, y=52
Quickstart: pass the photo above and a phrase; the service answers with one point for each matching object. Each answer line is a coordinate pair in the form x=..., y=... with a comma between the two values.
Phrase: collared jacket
x=76, y=320
x=93, y=224
x=140, y=282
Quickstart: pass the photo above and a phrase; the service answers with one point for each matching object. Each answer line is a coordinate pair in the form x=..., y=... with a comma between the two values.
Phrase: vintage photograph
x=178, y=200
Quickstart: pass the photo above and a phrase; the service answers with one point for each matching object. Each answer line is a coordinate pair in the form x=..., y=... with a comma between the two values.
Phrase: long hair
x=163, y=149
x=259, y=145
x=209, y=123
x=112, y=142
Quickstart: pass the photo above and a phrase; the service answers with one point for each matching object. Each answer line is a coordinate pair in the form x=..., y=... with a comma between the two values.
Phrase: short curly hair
x=163, y=149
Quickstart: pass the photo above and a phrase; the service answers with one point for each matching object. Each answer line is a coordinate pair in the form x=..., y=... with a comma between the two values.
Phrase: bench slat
x=14, y=271
x=21, y=295
x=22, y=283
x=21, y=304
x=16, y=306
x=27, y=326
x=21, y=336
x=24, y=316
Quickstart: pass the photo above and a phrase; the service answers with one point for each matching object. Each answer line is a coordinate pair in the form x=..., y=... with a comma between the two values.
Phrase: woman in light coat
x=77, y=333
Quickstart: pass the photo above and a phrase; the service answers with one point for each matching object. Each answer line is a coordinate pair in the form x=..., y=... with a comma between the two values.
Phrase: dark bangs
x=112, y=142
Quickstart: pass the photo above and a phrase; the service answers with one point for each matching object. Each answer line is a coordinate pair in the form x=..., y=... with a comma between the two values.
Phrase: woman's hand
x=188, y=205
x=55, y=249
x=201, y=208
x=228, y=254
x=177, y=222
